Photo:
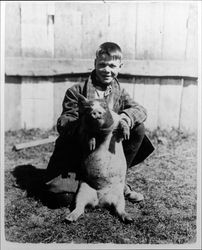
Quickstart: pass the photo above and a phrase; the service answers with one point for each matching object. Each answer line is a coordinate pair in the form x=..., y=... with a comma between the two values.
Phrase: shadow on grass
x=32, y=180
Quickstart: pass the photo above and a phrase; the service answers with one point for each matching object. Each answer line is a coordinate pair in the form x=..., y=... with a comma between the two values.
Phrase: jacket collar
x=112, y=93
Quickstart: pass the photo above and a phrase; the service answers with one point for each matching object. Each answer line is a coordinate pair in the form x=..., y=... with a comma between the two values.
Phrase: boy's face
x=107, y=68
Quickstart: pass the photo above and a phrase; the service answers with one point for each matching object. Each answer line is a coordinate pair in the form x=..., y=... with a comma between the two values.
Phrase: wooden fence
x=46, y=44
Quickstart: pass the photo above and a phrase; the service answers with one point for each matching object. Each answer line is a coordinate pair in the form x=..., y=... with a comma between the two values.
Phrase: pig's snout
x=96, y=114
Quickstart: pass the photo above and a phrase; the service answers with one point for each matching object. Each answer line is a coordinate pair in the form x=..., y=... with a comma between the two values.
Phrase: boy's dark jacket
x=120, y=102
x=118, y=99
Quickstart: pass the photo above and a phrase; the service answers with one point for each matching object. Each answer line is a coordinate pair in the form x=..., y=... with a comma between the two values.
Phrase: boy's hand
x=124, y=126
x=92, y=144
x=125, y=129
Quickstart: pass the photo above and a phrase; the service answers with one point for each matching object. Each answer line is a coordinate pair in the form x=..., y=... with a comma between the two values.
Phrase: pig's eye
x=87, y=108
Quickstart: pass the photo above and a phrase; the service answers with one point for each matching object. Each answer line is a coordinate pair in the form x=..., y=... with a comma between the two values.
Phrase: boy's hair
x=111, y=49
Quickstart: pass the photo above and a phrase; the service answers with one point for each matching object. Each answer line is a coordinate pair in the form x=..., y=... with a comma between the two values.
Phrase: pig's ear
x=82, y=100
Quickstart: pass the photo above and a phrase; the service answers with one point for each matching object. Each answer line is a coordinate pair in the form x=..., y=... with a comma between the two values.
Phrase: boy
x=102, y=83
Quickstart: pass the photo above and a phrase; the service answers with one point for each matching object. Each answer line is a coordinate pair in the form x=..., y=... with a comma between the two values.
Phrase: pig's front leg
x=92, y=143
x=85, y=196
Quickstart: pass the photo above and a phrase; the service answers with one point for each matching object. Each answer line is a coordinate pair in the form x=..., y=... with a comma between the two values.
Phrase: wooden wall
x=47, y=41
x=37, y=103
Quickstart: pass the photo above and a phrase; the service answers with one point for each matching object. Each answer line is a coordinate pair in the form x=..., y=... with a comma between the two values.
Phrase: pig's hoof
x=71, y=217
x=126, y=218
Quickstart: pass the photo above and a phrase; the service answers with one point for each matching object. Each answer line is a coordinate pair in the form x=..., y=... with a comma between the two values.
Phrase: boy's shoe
x=132, y=195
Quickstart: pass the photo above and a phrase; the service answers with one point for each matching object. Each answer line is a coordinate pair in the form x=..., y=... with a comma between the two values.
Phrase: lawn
x=167, y=215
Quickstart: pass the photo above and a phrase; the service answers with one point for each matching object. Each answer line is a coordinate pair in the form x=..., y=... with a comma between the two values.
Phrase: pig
x=104, y=164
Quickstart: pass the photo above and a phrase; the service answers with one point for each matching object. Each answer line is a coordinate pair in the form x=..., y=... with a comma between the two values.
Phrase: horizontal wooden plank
x=48, y=67
x=161, y=68
x=30, y=144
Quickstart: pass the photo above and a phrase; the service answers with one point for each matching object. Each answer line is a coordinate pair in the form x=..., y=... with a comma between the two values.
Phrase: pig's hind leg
x=85, y=196
x=115, y=197
x=119, y=206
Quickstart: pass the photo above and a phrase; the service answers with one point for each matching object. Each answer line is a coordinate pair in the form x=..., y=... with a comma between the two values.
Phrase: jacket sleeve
x=132, y=109
x=67, y=122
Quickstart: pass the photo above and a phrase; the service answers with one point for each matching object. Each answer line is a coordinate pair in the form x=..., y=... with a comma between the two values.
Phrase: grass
x=167, y=215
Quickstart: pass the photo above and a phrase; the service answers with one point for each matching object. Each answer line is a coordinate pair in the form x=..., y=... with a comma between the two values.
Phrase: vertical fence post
x=50, y=27
x=181, y=96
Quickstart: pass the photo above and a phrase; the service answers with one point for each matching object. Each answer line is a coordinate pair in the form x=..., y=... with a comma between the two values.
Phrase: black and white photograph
x=100, y=125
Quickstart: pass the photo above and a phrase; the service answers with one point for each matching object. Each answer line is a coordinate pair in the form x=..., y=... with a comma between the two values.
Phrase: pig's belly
x=103, y=168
